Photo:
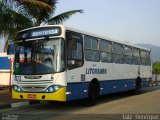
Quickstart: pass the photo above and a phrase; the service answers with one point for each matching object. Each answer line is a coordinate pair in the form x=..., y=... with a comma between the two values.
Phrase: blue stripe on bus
x=76, y=90
x=116, y=86
x=145, y=82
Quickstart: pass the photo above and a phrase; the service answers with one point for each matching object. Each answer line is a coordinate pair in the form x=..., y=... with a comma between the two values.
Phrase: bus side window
x=136, y=56
x=118, y=53
x=128, y=54
x=74, y=50
x=148, y=57
x=91, y=49
x=106, y=51
x=143, y=57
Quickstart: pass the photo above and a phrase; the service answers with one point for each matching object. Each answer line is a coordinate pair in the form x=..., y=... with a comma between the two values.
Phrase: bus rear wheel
x=137, y=86
x=93, y=94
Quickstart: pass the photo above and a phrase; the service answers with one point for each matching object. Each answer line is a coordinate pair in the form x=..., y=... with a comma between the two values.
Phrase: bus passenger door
x=75, y=59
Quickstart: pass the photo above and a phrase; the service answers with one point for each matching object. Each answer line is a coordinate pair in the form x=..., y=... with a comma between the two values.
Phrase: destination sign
x=45, y=32
x=40, y=32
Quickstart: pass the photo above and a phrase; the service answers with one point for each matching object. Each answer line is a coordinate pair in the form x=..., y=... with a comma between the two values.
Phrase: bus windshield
x=39, y=57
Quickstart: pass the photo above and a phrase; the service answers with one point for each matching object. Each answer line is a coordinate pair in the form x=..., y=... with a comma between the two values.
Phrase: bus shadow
x=56, y=110
x=62, y=107
x=122, y=95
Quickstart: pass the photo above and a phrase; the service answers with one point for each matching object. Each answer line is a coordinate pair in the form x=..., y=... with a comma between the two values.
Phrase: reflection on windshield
x=39, y=57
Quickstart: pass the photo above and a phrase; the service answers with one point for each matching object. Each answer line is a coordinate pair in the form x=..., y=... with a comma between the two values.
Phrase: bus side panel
x=77, y=91
x=113, y=86
x=146, y=75
x=80, y=90
x=145, y=82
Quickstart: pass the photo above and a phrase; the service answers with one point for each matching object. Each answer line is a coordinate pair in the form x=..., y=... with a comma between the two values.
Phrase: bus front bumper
x=59, y=95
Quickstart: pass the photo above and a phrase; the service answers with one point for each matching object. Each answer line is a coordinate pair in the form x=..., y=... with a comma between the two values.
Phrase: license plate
x=31, y=96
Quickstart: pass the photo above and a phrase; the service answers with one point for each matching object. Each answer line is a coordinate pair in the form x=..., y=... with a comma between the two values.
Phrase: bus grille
x=34, y=88
x=35, y=81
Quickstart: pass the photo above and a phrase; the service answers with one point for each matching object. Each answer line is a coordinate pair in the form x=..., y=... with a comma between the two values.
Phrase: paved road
x=121, y=103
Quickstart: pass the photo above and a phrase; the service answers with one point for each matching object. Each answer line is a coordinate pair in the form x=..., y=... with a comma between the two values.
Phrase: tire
x=138, y=86
x=93, y=94
x=34, y=102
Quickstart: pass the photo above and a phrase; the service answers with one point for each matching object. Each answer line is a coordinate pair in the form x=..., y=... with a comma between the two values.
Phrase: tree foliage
x=156, y=67
x=16, y=15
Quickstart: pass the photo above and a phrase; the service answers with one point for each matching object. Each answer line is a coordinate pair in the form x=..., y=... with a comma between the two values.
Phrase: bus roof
x=89, y=34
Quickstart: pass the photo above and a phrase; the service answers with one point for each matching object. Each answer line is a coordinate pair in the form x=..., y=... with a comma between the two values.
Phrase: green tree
x=16, y=15
x=156, y=69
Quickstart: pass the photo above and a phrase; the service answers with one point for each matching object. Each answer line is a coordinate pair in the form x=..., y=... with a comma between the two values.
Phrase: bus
x=59, y=63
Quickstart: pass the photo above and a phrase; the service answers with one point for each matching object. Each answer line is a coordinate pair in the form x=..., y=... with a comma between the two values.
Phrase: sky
x=133, y=21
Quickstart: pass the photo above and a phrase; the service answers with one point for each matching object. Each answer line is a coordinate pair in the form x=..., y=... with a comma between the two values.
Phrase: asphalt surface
x=113, y=107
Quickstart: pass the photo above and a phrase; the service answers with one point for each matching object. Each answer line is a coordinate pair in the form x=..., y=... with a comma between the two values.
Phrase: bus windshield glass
x=39, y=57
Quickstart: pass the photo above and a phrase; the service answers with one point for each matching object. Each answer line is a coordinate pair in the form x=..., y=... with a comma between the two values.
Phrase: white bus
x=58, y=63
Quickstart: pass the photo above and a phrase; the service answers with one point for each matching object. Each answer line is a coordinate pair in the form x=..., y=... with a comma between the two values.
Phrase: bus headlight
x=17, y=88
x=53, y=88
x=56, y=87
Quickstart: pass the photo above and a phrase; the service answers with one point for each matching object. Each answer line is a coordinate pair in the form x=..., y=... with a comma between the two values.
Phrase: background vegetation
x=156, y=67
x=16, y=15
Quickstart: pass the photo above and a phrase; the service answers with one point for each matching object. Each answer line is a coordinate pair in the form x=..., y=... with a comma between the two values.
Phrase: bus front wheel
x=93, y=94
